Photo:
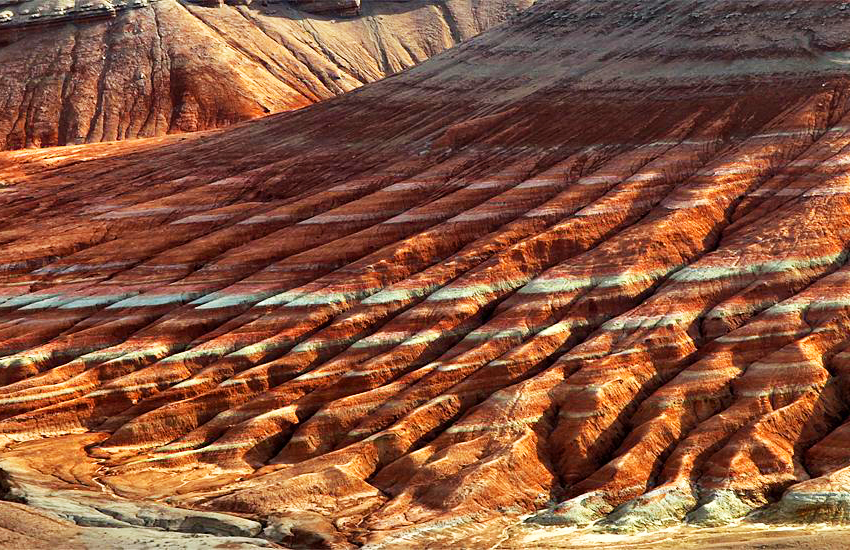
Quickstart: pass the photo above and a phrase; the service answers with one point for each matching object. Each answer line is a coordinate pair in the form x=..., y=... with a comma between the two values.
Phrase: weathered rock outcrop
x=82, y=72
x=26, y=527
x=588, y=267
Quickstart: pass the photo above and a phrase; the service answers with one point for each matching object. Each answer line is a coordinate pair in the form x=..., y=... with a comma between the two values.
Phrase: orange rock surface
x=587, y=268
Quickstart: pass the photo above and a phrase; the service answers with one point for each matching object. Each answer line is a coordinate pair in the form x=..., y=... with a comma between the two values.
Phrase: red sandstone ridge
x=587, y=268
x=82, y=72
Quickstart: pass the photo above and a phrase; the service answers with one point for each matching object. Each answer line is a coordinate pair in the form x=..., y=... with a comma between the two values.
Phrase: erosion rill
x=588, y=267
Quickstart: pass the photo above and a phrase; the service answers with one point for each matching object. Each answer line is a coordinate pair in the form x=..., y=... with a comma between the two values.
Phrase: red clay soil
x=587, y=268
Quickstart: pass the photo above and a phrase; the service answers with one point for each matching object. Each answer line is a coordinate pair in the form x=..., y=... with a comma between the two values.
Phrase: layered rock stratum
x=88, y=71
x=587, y=268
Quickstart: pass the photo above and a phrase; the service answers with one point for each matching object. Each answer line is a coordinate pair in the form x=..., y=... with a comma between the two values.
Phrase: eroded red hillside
x=83, y=72
x=588, y=267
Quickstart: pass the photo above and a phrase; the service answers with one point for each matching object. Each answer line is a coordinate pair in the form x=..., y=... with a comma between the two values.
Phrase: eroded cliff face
x=588, y=267
x=83, y=72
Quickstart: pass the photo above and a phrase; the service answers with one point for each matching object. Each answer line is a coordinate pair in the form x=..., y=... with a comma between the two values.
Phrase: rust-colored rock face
x=83, y=72
x=589, y=267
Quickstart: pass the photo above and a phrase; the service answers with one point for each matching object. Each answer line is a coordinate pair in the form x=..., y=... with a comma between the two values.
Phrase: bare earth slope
x=73, y=76
x=588, y=267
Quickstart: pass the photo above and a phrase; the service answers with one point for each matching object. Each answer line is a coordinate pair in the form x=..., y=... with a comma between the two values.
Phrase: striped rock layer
x=83, y=72
x=591, y=266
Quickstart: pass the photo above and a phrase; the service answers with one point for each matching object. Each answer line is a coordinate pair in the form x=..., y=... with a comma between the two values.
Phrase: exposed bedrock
x=588, y=268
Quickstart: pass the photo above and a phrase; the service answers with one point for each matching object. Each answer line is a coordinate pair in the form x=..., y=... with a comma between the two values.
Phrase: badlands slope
x=83, y=72
x=587, y=268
